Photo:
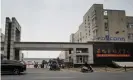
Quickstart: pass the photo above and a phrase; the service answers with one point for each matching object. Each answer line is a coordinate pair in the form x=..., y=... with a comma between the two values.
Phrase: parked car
x=15, y=67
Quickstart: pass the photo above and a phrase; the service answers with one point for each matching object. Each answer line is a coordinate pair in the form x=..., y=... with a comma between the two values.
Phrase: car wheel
x=16, y=71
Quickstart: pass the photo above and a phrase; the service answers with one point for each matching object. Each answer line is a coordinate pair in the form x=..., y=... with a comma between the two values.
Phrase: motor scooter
x=85, y=69
x=54, y=67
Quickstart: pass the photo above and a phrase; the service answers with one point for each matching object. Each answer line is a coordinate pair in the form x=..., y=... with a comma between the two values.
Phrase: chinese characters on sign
x=113, y=53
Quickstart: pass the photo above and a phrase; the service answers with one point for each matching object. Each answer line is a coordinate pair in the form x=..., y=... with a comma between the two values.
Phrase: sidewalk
x=103, y=69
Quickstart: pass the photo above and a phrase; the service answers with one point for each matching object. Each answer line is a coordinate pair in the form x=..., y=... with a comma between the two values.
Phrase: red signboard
x=113, y=55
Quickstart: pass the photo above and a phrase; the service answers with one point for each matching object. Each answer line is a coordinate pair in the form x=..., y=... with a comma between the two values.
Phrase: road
x=41, y=74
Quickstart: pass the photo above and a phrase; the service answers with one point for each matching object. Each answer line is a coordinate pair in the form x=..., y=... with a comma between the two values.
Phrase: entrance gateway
x=12, y=45
x=78, y=53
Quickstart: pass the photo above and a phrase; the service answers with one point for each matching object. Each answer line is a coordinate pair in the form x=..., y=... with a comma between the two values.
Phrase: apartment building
x=104, y=25
x=101, y=25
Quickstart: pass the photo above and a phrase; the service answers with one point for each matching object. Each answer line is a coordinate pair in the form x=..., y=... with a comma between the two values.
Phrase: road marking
x=38, y=78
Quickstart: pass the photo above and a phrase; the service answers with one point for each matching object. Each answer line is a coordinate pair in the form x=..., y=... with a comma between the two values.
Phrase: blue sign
x=108, y=38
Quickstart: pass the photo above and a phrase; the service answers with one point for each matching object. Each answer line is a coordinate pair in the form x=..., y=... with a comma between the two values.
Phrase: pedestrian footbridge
x=48, y=45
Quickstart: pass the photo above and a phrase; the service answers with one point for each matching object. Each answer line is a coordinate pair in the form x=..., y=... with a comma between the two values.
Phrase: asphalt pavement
x=45, y=74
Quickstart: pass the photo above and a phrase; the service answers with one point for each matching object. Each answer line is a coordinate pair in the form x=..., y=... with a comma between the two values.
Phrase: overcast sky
x=53, y=20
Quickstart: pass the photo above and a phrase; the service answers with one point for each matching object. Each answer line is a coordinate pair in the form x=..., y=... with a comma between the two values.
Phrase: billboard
x=109, y=38
x=106, y=52
x=113, y=53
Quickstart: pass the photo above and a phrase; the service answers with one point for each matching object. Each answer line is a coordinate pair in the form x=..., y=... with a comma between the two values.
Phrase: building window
x=89, y=24
x=82, y=50
x=81, y=58
x=105, y=12
x=106, y=25
x=85, y=21
x=127, y=25
x=130, y=25
x=106, y=32
x=130, y=36
x=77, y=58
x=85, y=29
x=86, y=33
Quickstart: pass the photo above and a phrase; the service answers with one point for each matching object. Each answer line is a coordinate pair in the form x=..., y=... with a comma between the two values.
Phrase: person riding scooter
x=86, y=67
x=54, y=66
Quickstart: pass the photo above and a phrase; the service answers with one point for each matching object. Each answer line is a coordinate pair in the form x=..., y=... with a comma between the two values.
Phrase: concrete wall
x=45, y=46
x=11, y=36
x=92, y=20
x=99, y=22
x=117, y=23
x=89, y=54
x=129, y=22
x=7, y=21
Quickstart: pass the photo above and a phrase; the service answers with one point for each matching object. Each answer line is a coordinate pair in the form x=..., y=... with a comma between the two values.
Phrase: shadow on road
x=4, y=74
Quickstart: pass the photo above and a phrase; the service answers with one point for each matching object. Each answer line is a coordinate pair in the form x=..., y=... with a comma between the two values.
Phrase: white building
x=104, y=25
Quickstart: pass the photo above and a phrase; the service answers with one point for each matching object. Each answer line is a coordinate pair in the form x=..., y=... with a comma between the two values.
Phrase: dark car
x=15, y=67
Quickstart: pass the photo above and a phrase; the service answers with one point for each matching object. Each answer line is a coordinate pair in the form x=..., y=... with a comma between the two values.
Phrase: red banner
x=113, y=55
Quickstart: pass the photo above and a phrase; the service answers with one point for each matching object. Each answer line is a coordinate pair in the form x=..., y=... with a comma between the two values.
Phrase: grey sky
x=53, y=20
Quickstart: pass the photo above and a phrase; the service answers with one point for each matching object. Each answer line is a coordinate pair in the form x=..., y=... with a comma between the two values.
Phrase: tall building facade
x=104, y=25
x=101, y=25
x=2, y=36
x=12, y=34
